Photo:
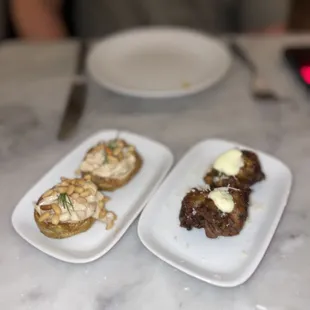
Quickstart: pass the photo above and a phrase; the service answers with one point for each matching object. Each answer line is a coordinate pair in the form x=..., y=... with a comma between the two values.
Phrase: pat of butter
x=229, y=163
x=222, y=199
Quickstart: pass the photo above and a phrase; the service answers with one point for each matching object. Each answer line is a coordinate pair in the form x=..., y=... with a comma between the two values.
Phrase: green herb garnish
x=113, y=143
x=65, y=201
x=105, y=157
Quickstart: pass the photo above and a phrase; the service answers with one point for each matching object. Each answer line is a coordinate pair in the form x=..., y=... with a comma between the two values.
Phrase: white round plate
x=158, y=62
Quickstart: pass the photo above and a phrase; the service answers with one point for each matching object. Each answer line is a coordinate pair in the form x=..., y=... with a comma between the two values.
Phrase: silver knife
x=77, y=97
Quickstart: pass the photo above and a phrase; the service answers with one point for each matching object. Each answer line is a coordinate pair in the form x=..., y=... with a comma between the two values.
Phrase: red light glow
x=305, y=73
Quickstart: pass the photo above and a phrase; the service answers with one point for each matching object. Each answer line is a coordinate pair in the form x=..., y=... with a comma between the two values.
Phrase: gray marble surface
x=34, y=83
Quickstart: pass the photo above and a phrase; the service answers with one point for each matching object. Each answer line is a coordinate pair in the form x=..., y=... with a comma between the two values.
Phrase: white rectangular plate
x=126, y=202
x=225, y=261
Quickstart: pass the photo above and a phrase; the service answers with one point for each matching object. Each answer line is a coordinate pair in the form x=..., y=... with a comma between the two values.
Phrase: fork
x=260, y=89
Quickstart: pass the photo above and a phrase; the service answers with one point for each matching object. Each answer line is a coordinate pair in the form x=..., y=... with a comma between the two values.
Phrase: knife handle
x=81, y=58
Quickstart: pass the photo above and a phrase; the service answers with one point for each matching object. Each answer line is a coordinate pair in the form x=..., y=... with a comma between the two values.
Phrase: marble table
x=34, y=84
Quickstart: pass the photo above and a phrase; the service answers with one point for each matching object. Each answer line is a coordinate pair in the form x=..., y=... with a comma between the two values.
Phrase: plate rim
x=251, y=268
x=158, y=94
x=121, y=232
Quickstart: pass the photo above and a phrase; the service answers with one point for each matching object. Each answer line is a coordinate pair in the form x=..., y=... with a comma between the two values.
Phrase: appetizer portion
x=111, y=164
x=221, y=212
x=235, y=168
x=71, y=207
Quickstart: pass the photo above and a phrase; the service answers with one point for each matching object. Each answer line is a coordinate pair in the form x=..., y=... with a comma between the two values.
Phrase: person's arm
x=38, y=19
x=269, y=16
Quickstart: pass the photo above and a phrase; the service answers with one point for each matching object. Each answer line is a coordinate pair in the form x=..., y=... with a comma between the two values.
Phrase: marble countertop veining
x=34, y=83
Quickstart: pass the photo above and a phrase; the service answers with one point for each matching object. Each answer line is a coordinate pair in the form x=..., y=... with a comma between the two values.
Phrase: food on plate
x=71, y=207
x=111, y=164
x=235, y=168
x=221, y=211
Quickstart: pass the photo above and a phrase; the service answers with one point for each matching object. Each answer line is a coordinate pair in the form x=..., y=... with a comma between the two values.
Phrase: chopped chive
x=65, y=201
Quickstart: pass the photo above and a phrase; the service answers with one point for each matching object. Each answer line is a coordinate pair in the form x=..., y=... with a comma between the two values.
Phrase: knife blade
x=77, y=98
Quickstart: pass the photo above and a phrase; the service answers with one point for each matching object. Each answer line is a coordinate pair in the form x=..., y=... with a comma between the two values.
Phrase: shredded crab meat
x=85, y=201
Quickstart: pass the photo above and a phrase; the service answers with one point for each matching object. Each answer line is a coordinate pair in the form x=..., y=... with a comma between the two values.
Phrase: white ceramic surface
x=225, y=261
x=126, y=202
x=159, y=62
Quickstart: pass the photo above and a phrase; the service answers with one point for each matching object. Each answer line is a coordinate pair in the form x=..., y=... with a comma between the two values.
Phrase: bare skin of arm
x=38, y=19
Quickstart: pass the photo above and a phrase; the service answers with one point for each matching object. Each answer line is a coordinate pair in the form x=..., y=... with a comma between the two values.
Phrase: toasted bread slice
x=63, y=230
